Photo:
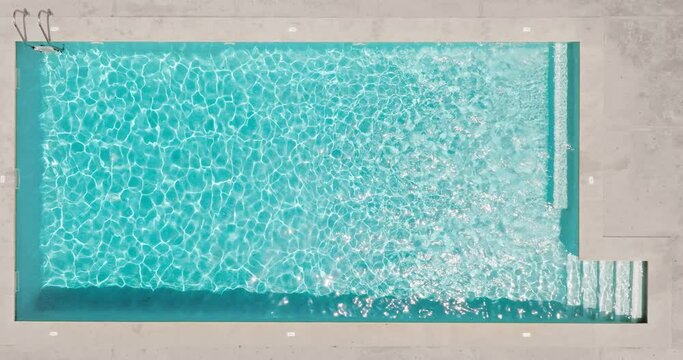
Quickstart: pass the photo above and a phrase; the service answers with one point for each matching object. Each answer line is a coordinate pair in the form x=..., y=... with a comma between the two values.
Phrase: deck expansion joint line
x=637, y=237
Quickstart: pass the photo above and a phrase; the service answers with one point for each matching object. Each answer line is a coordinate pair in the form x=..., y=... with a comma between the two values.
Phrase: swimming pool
x=306, y=182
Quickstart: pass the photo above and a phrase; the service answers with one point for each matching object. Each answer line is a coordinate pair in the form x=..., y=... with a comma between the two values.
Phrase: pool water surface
x=305, y=182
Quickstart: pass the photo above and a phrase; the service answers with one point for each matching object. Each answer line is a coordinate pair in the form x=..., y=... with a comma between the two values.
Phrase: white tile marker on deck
x=9, y=178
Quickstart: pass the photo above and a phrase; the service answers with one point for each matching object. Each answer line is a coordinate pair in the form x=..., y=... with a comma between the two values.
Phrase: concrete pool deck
x=631, y=147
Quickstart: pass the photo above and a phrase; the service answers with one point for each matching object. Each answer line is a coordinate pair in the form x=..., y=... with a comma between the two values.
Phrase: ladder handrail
x=14, y=20
x=47, y=35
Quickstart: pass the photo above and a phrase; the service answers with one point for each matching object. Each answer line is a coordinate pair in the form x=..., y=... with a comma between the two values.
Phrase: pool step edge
x=612, y=289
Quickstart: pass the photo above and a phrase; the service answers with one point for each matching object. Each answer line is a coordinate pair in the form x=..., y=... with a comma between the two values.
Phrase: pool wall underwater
x=35, y=301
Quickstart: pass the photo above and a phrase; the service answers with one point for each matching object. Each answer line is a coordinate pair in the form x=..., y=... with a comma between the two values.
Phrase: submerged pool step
x=573, y=280
x=610, y=288
x=637, y=289
x=606, y=286
x=589, y=285
x=622, y=289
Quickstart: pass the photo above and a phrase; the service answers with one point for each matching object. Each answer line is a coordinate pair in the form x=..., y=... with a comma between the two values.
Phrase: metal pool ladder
x=48, y=35
x=46, y=48
x=14, y=21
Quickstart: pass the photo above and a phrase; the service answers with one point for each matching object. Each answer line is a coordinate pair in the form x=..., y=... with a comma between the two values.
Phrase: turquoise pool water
x=307, y=182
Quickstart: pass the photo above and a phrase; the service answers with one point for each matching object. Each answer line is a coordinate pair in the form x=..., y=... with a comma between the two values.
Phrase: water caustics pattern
x=414, y=171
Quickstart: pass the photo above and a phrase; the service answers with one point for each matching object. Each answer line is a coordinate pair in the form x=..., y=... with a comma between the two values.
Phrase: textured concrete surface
x=631, y=144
